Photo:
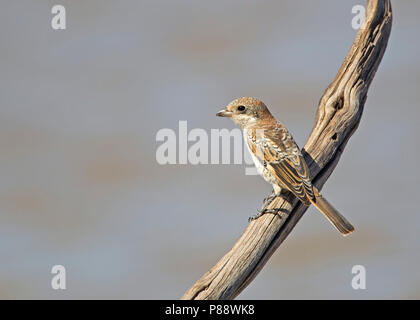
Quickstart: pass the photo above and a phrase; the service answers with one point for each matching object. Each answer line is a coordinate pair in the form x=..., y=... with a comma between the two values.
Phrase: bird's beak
x=224, y=113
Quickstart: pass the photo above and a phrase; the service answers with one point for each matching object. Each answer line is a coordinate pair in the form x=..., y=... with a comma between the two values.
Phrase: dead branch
x=337, y=118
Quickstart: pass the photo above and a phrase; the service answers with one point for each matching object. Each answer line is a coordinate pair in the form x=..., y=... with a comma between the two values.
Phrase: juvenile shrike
x=277, y=157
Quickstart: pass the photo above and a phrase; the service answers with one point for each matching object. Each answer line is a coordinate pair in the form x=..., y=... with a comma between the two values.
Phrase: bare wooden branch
x=337, y=118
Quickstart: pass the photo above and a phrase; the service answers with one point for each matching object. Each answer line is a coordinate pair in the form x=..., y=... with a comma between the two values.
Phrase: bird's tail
x=333, y=216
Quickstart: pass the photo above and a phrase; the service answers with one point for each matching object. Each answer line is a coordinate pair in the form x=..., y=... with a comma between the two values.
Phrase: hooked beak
x=224, y=113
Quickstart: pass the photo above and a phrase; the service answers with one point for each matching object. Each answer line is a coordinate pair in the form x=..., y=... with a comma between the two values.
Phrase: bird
x=278, y=158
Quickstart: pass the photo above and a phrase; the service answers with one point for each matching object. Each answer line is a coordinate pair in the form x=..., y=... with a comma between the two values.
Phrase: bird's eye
x=241, y=108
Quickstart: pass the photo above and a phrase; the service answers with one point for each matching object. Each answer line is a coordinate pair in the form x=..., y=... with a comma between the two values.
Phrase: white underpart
x=263, y=172
x=257, y=162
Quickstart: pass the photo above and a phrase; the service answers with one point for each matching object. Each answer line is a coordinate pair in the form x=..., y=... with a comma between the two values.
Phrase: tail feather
x=333, y=216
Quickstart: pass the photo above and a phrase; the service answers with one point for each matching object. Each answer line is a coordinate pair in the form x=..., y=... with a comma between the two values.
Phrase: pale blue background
x=80, y=108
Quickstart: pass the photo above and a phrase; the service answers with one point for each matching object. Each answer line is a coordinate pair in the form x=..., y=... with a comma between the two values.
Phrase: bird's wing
x=283, y=159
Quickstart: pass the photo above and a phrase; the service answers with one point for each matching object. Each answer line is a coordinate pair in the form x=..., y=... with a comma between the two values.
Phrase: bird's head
x=246, y=112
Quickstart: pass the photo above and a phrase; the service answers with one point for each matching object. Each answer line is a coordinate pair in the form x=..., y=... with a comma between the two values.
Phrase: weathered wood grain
x=337, y=118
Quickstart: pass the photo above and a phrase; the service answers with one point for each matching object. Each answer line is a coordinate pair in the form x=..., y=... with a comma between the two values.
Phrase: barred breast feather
x=279, y=160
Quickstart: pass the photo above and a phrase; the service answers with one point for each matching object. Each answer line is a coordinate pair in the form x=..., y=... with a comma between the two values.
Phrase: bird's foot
x=255, y=216
x=270, y=197
x=266, y=203
x=264, y=211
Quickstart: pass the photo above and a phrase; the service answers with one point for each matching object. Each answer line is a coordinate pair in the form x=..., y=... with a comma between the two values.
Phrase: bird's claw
x=255, y=216
x=262, y=212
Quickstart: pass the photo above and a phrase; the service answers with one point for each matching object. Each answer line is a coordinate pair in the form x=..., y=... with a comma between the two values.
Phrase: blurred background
x=80, y=185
